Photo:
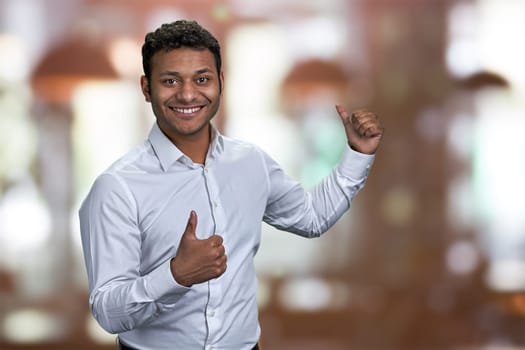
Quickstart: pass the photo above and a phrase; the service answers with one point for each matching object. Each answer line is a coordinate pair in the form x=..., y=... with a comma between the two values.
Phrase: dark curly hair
x=182, y=33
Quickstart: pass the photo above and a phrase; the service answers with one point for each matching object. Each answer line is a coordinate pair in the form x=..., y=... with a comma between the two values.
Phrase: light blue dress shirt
x=133, y=218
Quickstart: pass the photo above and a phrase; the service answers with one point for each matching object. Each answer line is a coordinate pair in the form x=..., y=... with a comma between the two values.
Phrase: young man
x=170, y=230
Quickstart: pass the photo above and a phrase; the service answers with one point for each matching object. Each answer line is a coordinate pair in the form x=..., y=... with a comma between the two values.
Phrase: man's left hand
x=363, y=129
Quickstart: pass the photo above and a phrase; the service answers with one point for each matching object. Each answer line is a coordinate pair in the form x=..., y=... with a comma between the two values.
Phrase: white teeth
x=186, y=110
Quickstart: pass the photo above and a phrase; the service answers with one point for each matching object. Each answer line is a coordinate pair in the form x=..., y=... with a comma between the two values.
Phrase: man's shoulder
x=116, y=176
x=136, y=159
x=236, y=144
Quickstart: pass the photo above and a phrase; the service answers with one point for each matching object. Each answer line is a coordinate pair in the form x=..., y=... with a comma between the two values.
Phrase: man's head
x=179, y=34
x=182, y=80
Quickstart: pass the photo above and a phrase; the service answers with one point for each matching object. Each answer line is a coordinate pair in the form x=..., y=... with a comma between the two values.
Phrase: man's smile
x=190, y=110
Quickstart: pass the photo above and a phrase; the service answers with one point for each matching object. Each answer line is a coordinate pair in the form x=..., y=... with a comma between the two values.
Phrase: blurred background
x=432, y=254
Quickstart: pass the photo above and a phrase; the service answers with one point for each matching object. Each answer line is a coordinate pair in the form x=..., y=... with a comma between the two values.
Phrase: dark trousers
x=125, y=347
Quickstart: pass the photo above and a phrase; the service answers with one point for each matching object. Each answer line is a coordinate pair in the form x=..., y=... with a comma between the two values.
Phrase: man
x=170, y=230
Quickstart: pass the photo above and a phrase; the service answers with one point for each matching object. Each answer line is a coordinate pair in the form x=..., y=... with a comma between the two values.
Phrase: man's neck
x=195, y=146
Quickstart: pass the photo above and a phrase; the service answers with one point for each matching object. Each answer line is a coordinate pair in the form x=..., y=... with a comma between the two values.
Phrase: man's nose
x=187, y=92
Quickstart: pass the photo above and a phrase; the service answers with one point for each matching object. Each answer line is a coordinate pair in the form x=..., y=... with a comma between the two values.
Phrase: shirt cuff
x=355, y=165
x=162, y=285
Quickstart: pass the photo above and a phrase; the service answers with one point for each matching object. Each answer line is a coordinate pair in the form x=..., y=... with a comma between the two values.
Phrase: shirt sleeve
x=121, y=296
x=310, y=213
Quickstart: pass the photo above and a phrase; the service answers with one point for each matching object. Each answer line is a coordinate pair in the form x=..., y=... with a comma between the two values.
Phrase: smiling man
x=170, y=230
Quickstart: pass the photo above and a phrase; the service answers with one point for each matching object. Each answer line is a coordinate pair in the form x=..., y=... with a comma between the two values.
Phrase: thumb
x=343, y=114
x=347, y=122
x=191, y=226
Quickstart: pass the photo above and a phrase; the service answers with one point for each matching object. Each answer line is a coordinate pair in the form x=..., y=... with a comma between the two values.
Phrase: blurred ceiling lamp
x=65, y=66
x=313, y=76
x=483, y=79
x=315, y=82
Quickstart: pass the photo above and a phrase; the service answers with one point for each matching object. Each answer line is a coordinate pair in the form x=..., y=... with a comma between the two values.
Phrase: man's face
x=184, y=92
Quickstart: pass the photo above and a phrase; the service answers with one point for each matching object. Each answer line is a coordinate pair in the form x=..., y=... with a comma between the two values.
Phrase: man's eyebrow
x=175, y=73
x=204, y=70
x=169, y=72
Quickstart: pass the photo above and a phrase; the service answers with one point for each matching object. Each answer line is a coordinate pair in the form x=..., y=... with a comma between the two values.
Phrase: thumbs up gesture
x=197, y=260
x=363, y=129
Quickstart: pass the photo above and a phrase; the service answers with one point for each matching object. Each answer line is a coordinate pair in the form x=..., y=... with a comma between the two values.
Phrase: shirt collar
x=216, y=145
x=168, y=153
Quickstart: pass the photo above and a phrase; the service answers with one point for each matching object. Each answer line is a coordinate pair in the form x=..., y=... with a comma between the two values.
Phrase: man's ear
x=221, y=81
x=144, y=84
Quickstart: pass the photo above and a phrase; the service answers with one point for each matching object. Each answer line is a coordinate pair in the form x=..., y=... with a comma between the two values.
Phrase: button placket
x=215, y=290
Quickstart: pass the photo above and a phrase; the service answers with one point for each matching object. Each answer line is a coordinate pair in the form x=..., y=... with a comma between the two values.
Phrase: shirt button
x=211, y=313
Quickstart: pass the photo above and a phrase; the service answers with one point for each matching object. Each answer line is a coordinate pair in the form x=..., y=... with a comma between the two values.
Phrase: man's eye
x=170, y=81
x=203, y=80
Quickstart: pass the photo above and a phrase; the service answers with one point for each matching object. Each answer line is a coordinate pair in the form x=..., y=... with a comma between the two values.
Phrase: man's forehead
x=184, y=55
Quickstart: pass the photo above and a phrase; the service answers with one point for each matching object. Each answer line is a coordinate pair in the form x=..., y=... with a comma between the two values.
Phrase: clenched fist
x=197, y=260
x=363, y=129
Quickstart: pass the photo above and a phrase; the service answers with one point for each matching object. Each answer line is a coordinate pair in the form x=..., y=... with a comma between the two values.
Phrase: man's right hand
x=197, y=260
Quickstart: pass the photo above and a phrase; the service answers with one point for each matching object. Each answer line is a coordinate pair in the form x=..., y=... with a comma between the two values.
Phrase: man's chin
x=190, y=131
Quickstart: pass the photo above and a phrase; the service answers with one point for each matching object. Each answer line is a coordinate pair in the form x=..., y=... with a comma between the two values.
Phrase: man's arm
x=121, y=296
x=311, y=213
